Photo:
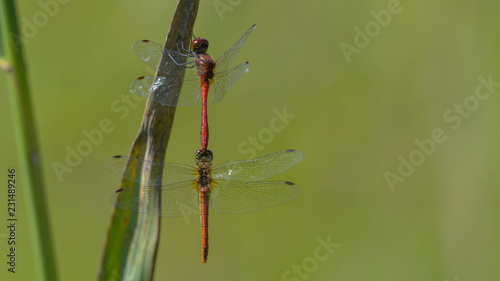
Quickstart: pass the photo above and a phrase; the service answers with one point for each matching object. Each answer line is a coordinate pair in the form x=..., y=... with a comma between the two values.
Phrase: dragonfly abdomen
x=204, y=117
x=204, y=193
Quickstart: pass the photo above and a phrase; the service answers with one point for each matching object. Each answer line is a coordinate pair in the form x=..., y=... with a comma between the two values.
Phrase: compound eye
x=199, y=45
x=197, y=155
x=203, y=154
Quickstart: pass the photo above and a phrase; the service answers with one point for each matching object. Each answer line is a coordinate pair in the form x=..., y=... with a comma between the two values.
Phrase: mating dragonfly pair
x=233, y=188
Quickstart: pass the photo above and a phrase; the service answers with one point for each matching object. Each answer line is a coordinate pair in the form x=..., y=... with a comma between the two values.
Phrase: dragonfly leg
x=178, y=63
x=182, y=51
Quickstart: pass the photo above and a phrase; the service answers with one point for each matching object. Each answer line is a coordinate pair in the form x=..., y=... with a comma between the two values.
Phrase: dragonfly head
x=204, y=155
x=199, y=45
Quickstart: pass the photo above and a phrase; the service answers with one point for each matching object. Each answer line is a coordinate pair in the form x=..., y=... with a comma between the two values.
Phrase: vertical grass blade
x=29, y=171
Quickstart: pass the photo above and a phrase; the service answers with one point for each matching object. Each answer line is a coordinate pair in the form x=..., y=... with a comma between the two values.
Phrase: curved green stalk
x=132, y=239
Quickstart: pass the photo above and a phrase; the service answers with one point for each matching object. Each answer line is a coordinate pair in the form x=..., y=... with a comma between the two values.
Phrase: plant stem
x=27, y=147
x=132, y=241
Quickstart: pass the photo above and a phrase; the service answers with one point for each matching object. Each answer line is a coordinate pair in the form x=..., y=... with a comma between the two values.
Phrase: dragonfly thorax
x=204, y=159
x=205, y=66
x=204, y=173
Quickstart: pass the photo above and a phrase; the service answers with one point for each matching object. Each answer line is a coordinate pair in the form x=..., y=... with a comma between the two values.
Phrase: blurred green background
x=354, y=117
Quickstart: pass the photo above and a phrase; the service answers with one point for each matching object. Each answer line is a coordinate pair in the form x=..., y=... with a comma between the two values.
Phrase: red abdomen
x=204, y=193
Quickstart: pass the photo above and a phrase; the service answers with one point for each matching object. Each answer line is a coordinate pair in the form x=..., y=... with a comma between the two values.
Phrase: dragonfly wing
x=233, y=197
x=142, y=85
x=170, y=90
x=224, y=62
x=171, y=172
x=151, y=53
x=257, y=169
x=177, y=200
x=167, y=89
x=225, y=80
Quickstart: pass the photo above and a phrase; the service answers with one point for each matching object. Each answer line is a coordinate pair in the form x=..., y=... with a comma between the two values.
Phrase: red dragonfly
x=231, y=188
x=203, y=75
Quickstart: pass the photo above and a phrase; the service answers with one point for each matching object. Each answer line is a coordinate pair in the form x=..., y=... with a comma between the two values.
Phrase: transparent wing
x=177, y=200
x=151, y=53
x=168, y=85
x=142, y=85
x=224, y=62
x=232, y=197
x=225, y=80
x=167, y=89
x=172, y=173
x=257, y=169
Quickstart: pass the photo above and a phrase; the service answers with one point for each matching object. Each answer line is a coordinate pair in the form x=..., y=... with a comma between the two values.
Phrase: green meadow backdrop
x=394, y=104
